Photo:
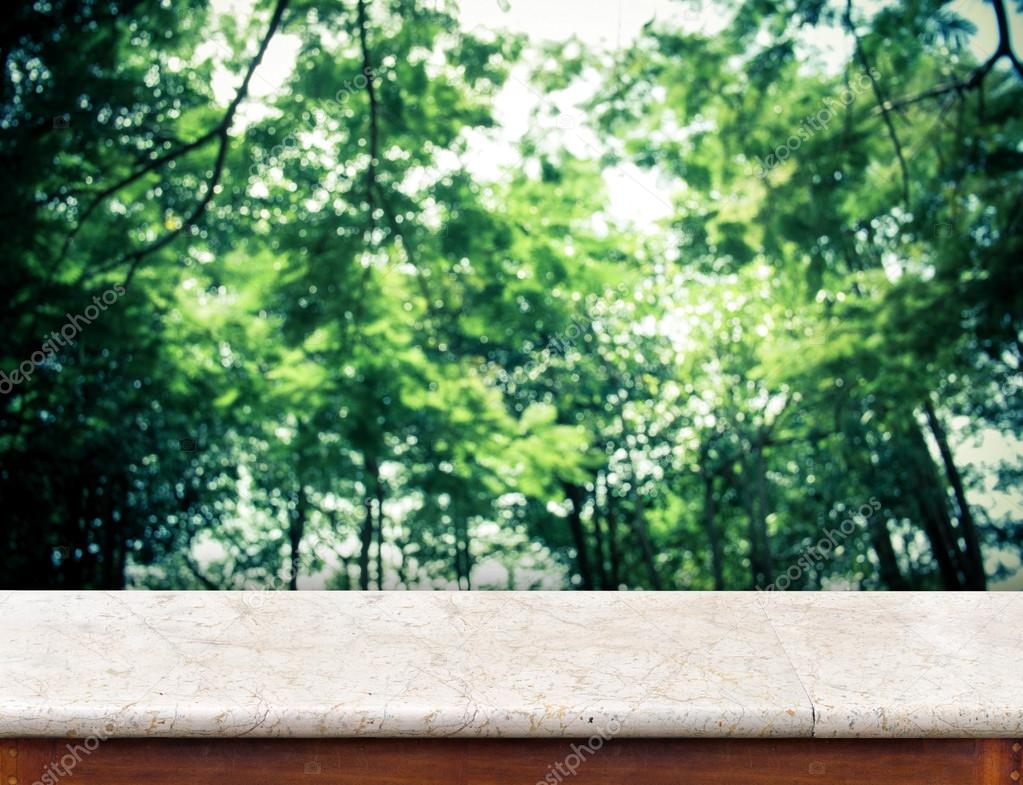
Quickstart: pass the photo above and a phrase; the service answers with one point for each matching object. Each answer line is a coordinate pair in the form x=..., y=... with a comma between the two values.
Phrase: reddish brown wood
x=1014, y=753
x=8, y=759
x=511, y=762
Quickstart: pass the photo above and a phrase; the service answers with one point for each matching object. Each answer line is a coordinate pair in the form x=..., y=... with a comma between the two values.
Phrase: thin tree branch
x=976, y=78
x=124, y=182
x=424, y=288
x=861, y=55
x=373, y=189
x=220, y=132
x=137, y=256
x=972, y=83
x=1005, y=37
x=374, y=144
x=374, y=108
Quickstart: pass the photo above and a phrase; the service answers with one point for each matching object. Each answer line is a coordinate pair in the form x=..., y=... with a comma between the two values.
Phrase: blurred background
x=511, y=294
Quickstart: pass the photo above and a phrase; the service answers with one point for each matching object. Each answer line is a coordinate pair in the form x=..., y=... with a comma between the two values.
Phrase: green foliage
x=342, y=356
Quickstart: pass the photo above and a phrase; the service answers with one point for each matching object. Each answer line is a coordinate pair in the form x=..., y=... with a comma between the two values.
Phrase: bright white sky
x=635, y=195
x=615, y=23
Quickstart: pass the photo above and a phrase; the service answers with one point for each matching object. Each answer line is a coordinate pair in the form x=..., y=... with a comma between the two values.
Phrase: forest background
x=511, y=294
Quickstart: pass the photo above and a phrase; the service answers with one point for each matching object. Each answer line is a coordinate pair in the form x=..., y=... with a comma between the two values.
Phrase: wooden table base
x=510, y=762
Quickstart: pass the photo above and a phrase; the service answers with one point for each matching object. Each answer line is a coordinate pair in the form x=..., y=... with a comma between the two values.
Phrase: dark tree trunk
x=74, y=543
x=121, y=562
x=458, y=560
x=756, y=508
x=881, y=541
x=457, y=555
x=931, y=504
x=401, y=543
x=614, y=557
x=463, y=555
x=402, y=568
x=856, y=454
x=937, y=534
x=110, y=539
x=379, y=494
x=973, y=560
x=366, y=532
x=296, y=531
x=344, y=574
x=598, y=535
x=639, y=528
x=711, y=528
x=575, y=521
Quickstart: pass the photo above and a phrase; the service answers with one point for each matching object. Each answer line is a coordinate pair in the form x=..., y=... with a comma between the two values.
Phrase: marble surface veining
x=906, y=664
x=510, y=664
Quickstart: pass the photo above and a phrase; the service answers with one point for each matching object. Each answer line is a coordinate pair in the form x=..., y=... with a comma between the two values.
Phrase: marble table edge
x=808, y=719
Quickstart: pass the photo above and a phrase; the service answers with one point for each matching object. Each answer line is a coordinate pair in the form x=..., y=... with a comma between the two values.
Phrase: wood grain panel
x=8, y=759
x=750, y=762
x=513, y=762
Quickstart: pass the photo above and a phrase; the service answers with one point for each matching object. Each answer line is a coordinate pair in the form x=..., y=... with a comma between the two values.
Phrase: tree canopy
x=285, y=335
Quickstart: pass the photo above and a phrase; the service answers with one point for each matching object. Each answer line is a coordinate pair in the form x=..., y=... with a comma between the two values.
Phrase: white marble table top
x=510, y=664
